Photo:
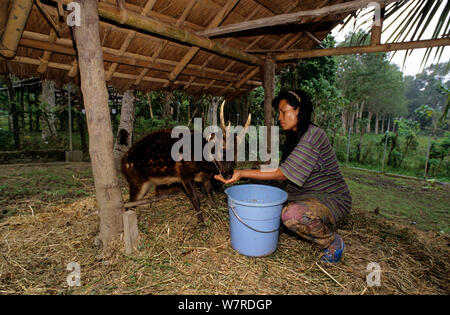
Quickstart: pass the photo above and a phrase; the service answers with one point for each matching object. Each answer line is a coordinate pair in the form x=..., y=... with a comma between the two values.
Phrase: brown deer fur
x=149, y=162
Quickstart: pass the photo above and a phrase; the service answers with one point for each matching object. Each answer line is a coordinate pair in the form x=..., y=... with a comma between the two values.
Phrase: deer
x=149, y=163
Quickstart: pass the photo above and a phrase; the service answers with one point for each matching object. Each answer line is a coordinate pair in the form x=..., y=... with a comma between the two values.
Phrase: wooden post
x=130, y=231
x=375, y=37
x=268, y=78
x=126, y=126
x=95, y=94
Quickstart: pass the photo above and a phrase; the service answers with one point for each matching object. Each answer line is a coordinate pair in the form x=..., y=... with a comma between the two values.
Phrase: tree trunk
x=22, y=108
x=30, y=112
x=150, y=105
x=48, y=104
x=369, y=119
x=212, y=113
x=124, y=139
x=93, y=87
x=382, y=122
x=14, y=113
x=352, y=119
x=377, y=120
x=166, y=107
x=357, y=118
x=344, y=115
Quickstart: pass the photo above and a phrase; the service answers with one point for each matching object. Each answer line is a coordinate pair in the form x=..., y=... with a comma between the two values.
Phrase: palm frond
x=416, y=18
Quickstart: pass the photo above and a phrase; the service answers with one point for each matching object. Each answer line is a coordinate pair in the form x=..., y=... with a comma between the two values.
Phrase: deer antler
x=222, y=119
x=241, y=135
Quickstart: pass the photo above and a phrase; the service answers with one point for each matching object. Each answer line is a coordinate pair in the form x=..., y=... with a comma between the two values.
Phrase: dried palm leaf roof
x=144, y=61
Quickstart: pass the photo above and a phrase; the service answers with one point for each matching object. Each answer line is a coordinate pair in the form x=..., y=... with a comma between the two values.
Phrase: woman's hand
x=236, y=176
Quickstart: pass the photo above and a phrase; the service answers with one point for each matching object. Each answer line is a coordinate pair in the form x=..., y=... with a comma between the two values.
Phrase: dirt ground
x=176, y=256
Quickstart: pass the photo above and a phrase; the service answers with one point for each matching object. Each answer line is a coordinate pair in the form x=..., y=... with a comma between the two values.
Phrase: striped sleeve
x=300, y=163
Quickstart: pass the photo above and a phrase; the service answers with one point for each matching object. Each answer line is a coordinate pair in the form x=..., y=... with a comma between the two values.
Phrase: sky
x=413, y=62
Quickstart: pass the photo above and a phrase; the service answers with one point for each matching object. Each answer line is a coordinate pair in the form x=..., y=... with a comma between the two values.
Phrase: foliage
x=317, y=77
x=6, y=140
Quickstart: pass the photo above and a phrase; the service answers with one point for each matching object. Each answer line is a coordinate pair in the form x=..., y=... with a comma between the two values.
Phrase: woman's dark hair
x=295, y=98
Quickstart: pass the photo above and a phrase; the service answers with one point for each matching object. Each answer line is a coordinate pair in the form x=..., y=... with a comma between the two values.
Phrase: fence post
x=428, y=156
x=348, y=145
x=385, y=145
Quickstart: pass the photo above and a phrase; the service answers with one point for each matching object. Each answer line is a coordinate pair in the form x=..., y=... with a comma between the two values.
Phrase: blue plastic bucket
x=255, y=215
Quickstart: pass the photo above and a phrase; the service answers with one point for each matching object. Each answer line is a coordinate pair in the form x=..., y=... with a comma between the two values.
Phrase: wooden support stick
x=145, y=201
x=130, y=231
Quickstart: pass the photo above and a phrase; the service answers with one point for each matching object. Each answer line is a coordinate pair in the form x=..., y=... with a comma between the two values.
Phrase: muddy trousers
x=309, y=219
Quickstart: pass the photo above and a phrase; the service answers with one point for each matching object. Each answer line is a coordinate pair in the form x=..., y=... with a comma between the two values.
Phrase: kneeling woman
x=318, y=194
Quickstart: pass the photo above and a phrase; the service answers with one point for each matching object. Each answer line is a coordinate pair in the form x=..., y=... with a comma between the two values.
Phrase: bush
x=6, y=140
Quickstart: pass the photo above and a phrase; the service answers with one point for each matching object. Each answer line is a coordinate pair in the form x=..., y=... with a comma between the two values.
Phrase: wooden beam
x=47, y=54
x=253, y=72
x=289, y=18
x=135, y=20
x=182, y=18
x=364, y=49
x=223, y=13
x=119, y=75
x=148, y=6
x=231, y=64
x=112, y=55
x=14, y=27
x=269, y=5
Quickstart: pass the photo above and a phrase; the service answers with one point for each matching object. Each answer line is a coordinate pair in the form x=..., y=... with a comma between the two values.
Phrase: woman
x=318, y=194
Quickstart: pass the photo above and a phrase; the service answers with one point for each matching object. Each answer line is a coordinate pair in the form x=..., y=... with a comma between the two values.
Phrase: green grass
x=41, y=185
x=412, y=165
x=423, y=204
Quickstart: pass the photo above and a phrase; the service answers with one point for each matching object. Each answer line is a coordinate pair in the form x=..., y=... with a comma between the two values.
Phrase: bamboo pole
x=14, y=27
x=363, y=49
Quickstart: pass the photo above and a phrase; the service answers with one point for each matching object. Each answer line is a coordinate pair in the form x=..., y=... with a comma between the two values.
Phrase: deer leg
x=137, y=193
x=192, y=193
x=209, y=191
x=133, y=192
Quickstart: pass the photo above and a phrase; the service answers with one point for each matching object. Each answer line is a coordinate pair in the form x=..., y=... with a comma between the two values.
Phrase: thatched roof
x=143, y=61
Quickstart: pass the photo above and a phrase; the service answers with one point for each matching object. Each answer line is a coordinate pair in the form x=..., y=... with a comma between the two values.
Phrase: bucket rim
x=257, y=204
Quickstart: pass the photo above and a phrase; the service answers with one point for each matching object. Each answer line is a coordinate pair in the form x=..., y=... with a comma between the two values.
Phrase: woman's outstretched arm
x=274, y=174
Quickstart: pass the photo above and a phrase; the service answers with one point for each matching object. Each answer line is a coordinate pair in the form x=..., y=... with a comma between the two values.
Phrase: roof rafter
x=119, y=75
x=289, y=18
x=131, y=34
x=220, y=16
x=65, y=46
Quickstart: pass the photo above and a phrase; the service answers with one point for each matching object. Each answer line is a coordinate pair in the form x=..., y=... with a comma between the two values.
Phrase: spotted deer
x=149, y=163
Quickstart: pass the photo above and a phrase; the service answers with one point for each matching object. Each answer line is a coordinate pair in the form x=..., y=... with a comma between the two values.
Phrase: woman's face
x=288, y=116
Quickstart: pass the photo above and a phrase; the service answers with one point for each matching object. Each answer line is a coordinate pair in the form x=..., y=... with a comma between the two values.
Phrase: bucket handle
x=252, y=228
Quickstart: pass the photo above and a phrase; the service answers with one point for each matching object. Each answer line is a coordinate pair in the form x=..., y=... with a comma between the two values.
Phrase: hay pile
x=177, y=257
